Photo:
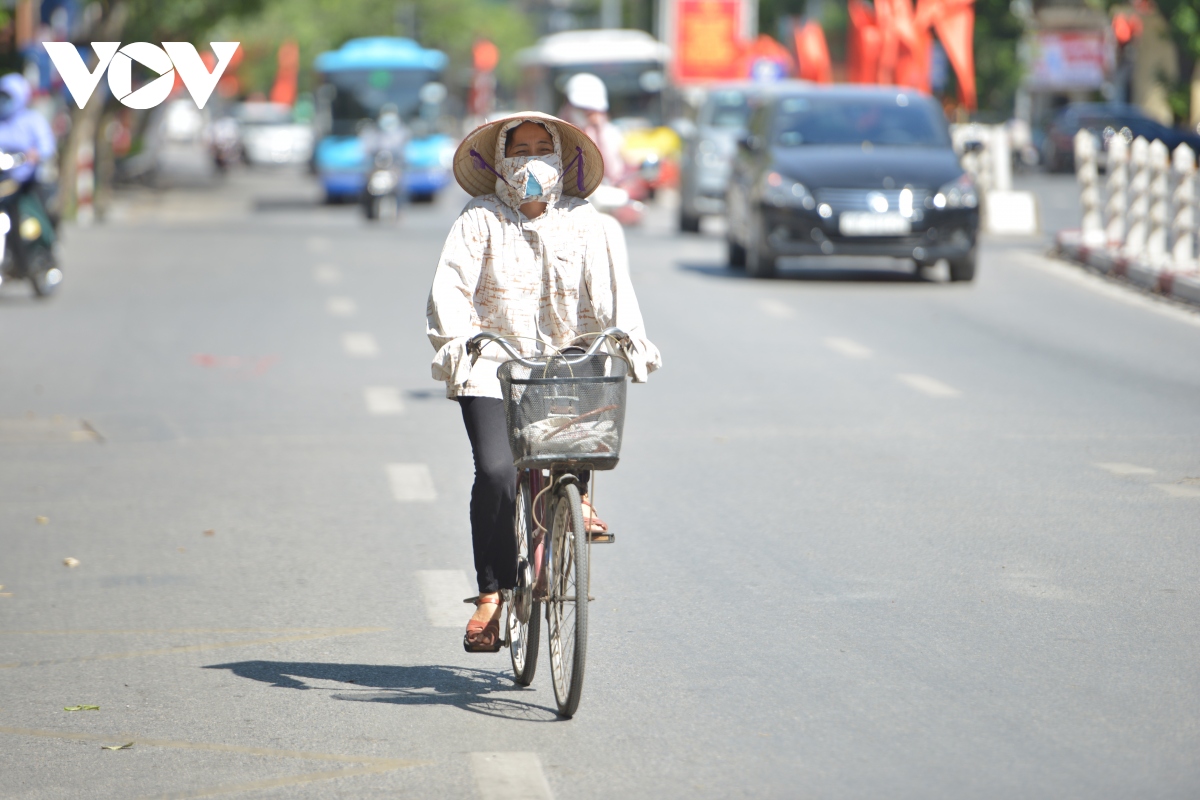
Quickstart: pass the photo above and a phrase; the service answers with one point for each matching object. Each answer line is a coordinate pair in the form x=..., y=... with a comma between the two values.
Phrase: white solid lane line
x=1179, y=489
x=927, y=385
x=411, y=483
x=1121, y=468
x=444, y=591
x=848, y=347
x=774, y=308
x=341, y=307
x=360, y=345
x=383, y=400
x=327, y=274
x=510, y=776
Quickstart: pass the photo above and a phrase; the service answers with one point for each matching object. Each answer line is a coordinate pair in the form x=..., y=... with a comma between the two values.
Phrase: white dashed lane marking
x=774, y=308
x=327, y=275
x=383, y=400
x=1179, y=489
x=510, y=776
x=1121, y=468
x=444, y=591
x=341, y=307
x=848, y=347
x=360, y=345
x=411, y=483
x=927, y=385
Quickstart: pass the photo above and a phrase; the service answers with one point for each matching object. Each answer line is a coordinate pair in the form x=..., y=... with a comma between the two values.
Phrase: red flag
x=813, y=53
x=955, y=27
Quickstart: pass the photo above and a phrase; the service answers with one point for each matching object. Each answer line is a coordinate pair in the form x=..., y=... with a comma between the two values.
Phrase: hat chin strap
x=481, y=164
x=577, y=161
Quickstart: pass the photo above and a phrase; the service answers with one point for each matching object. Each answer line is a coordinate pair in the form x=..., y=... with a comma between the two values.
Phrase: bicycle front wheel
x=567, y=606
x=524, y=620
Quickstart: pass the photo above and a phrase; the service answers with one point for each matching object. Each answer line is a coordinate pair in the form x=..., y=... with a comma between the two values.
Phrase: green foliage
x=997, y=67
x=1183, y=24
x=320, y=25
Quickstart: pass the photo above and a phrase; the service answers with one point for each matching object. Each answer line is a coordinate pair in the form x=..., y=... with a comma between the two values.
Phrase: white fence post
x=1139, y=197
x=1159, y=217
x=1118, y=182
x=1183, y=225
x=1092, y=229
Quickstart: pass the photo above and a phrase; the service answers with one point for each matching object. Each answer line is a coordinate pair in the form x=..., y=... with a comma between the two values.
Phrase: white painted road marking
x=510, y=776
x=444, y=591
x=360, y=345
x=341, y=307
x=1179, y=489
x=327, y=274
x=1121, y=468
x=848, y=347
x=411, y=483
x=383, y=400
x=774, y=308
x=927, y=385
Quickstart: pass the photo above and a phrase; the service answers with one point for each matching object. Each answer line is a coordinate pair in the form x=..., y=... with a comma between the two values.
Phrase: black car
x=857, y=171
x=1104, y=120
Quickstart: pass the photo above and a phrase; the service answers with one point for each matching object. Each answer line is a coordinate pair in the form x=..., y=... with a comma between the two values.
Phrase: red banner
x=707, y=44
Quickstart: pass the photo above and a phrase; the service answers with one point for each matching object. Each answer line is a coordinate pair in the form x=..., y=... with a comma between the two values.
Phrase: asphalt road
x=876, y=536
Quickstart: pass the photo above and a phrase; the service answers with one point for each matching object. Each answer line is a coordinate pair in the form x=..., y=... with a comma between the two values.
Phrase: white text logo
x=165, y=60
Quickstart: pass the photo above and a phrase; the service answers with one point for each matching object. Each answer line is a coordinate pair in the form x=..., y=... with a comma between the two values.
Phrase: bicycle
x=565, y=415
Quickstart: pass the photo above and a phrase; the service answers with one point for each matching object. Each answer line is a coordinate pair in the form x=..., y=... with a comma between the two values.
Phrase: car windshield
x=360, y=94
x=727, y=109
x=905, y=120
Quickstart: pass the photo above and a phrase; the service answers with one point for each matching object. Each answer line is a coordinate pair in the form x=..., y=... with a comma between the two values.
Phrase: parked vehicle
x=1104, y=120
x=269, y=135
x=708, y=152
x=850, y=170
x=27, y=234
x=357, y=81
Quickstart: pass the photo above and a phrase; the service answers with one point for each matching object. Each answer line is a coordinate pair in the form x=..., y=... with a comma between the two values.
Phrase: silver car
x=708, y=153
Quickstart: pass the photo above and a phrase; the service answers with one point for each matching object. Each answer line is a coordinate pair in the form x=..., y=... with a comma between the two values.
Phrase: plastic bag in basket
x=579, y=438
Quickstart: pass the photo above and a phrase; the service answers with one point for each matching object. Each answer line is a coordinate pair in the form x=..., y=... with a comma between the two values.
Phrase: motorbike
x=618, y=202
x=384, y=187
x=27, y=235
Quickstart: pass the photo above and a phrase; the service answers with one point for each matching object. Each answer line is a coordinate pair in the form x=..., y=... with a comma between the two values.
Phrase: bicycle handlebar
x=477, y=342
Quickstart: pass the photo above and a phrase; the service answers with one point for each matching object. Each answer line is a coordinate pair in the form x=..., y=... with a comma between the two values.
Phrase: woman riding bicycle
x=528, y=258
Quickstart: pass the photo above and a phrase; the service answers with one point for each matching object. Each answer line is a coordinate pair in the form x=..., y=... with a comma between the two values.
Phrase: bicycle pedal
x=602, y=538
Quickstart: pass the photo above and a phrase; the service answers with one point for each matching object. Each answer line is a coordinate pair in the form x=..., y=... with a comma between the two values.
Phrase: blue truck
x=359, y=79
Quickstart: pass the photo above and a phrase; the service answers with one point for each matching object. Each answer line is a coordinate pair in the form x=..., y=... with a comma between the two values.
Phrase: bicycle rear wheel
x=523, y=615
x=567, y=607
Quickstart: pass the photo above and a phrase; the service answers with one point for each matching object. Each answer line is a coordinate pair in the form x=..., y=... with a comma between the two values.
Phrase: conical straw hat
x=478, y=179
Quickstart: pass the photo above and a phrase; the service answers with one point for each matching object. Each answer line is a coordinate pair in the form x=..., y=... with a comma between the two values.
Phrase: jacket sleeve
x=451, y=318
x=611, y=290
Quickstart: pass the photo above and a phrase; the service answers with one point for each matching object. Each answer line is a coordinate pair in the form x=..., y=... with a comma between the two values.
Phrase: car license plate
x=867, y=223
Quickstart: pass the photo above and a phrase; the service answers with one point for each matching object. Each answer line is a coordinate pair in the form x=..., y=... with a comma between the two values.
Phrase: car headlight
x=958, y=193
x=784, y=192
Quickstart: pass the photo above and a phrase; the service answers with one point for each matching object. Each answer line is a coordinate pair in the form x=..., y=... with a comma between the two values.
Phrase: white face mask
x=529, y=179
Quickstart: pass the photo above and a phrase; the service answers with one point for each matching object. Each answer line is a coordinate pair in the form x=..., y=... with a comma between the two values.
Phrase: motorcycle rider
x=587, y=109
x=23, y=130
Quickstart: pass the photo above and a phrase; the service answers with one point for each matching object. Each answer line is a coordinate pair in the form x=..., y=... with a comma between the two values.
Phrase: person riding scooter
x=587, y=109
x=26, y=141
x=383, y=143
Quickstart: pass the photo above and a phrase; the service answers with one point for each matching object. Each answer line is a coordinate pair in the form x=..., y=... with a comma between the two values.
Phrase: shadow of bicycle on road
x=475, y=690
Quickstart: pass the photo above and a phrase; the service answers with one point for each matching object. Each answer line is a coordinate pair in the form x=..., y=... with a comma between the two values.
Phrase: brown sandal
x=597, y=529
x=484, y=637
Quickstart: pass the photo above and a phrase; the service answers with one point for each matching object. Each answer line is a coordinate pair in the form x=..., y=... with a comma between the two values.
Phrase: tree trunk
x=84, y=120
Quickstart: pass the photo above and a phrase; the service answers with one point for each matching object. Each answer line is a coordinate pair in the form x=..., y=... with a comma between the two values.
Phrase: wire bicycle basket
x=565, y=409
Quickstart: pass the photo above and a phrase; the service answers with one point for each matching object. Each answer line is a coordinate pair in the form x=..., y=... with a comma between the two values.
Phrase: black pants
x=493, y=497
